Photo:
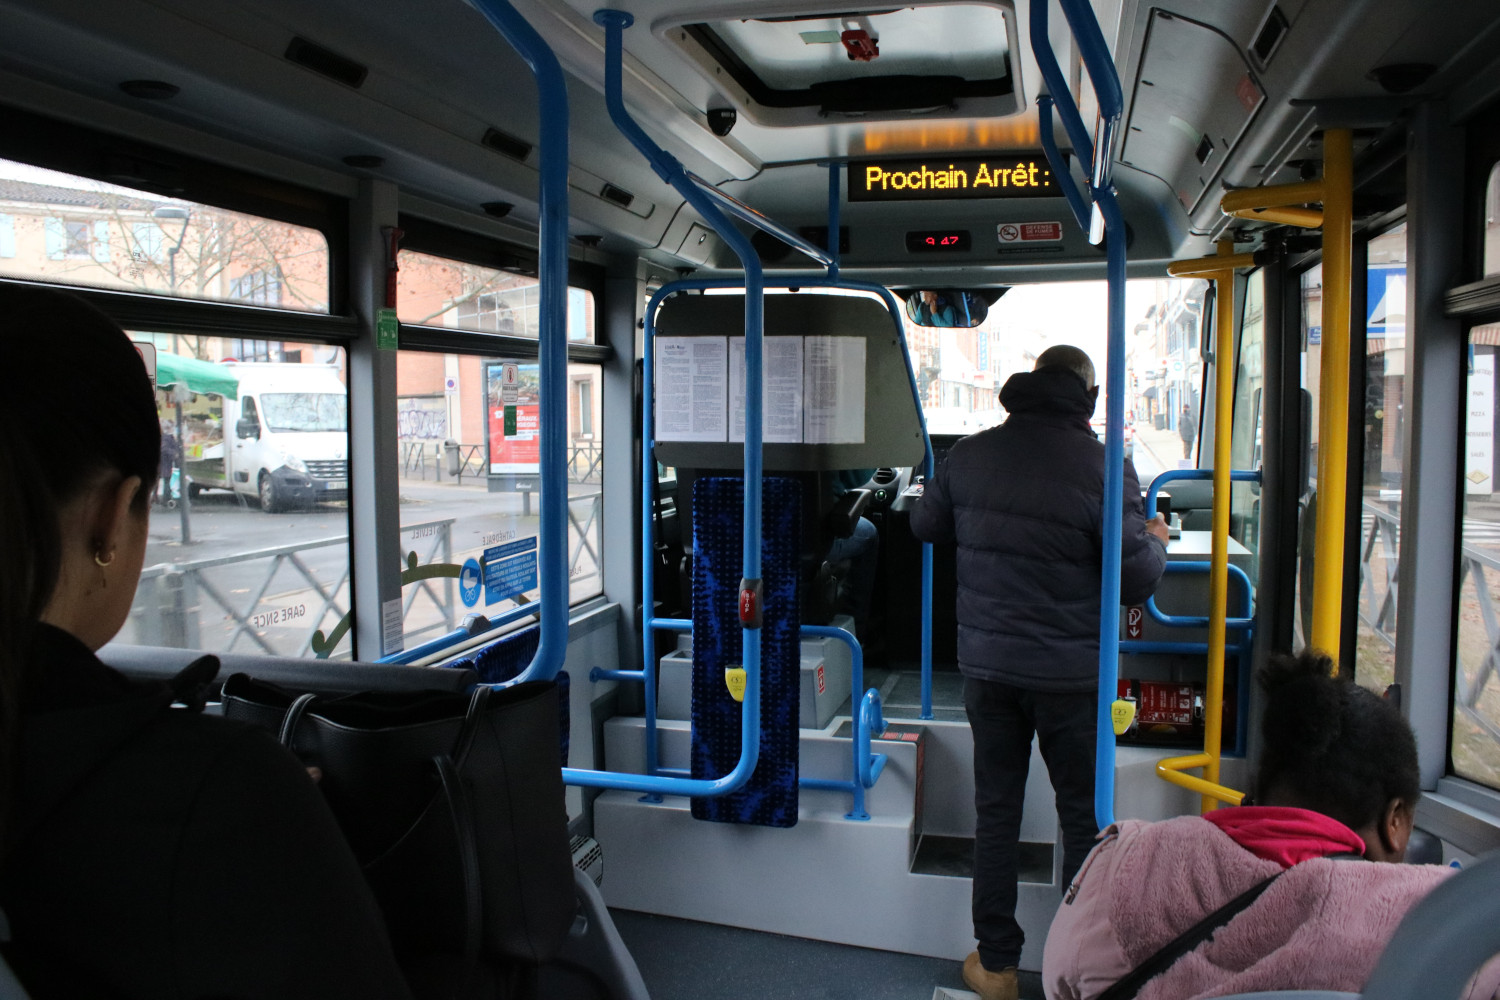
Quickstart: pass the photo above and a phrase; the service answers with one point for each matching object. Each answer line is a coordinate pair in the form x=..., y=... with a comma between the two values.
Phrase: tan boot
x=1001, y=985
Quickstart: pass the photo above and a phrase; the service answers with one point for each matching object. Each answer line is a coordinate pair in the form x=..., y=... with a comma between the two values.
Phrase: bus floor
x=688, y=960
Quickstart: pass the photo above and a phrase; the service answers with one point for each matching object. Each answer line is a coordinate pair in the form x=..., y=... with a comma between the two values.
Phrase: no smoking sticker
x=1029, y=232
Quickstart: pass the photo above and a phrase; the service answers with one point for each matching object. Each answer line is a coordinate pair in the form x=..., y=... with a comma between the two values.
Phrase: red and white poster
x=513, y=415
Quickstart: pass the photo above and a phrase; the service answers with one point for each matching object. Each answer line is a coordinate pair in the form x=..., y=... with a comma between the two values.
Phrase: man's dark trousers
x=1003, y=718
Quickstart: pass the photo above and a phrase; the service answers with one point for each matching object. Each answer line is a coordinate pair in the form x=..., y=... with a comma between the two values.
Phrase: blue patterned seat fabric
x=770, y=797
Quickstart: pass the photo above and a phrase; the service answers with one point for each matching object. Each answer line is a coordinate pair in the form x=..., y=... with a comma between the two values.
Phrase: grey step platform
x=828, y=878
x=831, y=879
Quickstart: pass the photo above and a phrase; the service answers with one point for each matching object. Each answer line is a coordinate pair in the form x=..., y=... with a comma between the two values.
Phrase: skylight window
x=943, y=60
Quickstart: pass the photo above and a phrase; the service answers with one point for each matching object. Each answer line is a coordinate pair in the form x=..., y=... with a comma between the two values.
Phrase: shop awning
x=198, y=376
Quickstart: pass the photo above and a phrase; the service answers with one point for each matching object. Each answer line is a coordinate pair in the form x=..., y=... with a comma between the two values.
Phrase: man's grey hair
x=1071, y=358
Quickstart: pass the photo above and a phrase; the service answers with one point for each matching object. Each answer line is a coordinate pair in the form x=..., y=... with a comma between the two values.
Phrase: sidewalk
x=1165, y=446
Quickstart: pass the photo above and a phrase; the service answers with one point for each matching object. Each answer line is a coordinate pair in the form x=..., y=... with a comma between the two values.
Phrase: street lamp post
x=184, y=515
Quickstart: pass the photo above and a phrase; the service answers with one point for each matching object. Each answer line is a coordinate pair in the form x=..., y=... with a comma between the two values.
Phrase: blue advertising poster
x=469, y=580
x=509, y=570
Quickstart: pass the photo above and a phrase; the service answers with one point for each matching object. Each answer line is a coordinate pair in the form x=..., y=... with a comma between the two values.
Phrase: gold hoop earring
x=103, y=563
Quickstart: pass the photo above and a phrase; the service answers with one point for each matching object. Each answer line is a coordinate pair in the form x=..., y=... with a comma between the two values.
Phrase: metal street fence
x=421, y=458
x=175, y=602
x=275, y=600
x=1478, y=580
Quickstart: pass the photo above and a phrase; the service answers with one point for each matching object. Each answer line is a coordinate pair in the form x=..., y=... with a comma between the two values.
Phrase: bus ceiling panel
x=1325, y=64
x=673, y=94
x=789, y=65
x=1193, y=97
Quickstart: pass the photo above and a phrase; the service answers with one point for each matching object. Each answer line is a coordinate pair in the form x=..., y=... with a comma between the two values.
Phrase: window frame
x=32, y=138
x=467, y=247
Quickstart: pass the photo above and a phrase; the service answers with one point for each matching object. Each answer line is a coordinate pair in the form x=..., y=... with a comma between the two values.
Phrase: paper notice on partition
x=833, y=390
x=782, y=399
x=691, y=388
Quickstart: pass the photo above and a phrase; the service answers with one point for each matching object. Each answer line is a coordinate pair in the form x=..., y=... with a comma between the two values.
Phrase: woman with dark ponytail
x=1286, y=886
x=145, y=851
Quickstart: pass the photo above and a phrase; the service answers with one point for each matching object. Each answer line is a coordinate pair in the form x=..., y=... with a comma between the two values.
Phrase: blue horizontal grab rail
x=1106, y=215
x=552, y=272
x=1179, y=648
x=1244, y=621
x=1175, y=475
x=866, y=768
x=458, y=635
x=474, y=625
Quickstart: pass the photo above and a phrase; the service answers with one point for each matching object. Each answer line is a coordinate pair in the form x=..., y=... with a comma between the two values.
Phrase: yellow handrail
x=1171, y=770
x=1333, y=407
x=1306, y=218
x=1208, y=267
x=1275, y=195
x=1221, y=269
x=1281, y=204
x=1218, y=572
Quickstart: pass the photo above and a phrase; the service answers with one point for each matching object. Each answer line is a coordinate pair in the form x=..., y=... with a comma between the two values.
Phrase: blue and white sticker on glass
x=509, y=570
x=469, y=581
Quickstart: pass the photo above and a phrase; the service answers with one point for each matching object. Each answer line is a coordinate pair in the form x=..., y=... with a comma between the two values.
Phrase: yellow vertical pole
x=1333, y=407
x=1218, y=574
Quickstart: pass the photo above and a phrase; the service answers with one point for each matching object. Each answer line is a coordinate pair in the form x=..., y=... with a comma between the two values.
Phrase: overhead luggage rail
x=1107, y=223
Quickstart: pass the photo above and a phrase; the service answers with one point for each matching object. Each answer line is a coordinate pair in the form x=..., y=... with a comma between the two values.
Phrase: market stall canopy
x=198, y=376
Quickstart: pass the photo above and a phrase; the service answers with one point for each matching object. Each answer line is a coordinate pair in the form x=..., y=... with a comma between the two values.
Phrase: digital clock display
x=938, y=241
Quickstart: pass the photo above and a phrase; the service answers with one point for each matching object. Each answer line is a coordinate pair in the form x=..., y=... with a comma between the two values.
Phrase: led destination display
x=1008, y=176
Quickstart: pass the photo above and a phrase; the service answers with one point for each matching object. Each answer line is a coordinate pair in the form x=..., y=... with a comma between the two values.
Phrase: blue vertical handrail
x=670, y=170
x=1106, y=84
x=865, y=710
x=1076, y=200
x=552, y=348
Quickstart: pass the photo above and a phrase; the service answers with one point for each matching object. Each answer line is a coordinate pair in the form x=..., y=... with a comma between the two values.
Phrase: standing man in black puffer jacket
x=1023, y=502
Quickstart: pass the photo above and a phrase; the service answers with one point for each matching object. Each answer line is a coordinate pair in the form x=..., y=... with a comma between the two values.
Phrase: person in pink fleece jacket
x=1338, y=786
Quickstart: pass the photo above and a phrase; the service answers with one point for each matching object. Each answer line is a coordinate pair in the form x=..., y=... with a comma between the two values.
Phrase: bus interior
x=551, y=251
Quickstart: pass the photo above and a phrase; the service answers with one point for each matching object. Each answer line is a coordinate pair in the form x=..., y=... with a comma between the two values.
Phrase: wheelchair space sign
x=469, y=581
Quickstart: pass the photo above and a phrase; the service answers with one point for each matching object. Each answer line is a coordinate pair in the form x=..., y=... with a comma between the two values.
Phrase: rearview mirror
x=247, y=427
x=946, y=307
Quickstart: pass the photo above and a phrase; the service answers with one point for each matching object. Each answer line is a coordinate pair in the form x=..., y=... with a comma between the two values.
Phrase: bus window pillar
x=625, y=291
x=1432, y=456
x=374, y=449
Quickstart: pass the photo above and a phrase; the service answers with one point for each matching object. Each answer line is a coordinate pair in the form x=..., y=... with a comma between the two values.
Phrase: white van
x=285, y=437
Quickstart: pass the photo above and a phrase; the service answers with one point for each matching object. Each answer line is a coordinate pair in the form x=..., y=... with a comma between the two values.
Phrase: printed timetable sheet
x=814, y=389
x=691, y=388
x=782, y=399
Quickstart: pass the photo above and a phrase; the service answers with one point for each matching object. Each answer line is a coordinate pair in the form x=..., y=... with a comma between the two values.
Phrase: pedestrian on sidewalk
x=1187, y=429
